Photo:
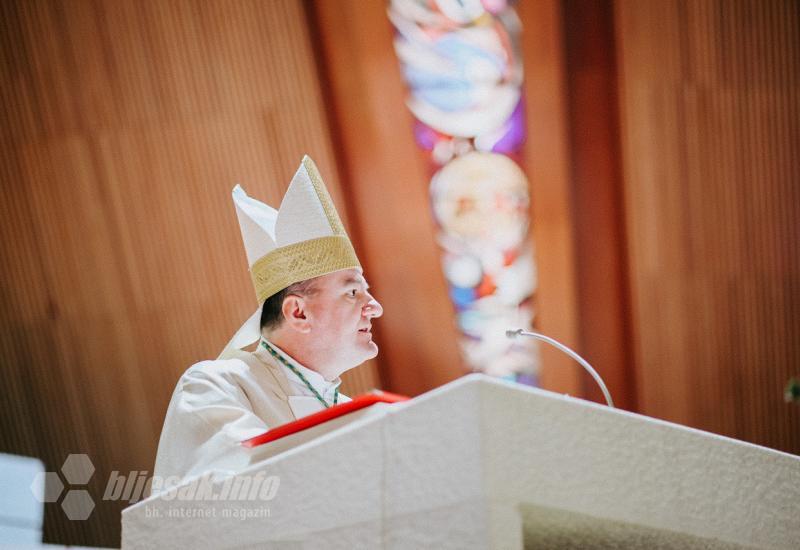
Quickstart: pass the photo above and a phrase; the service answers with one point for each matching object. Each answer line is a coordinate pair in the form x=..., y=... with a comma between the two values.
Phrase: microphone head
x=513, y=333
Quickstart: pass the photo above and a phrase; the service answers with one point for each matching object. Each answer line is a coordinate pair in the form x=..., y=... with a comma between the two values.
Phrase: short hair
x=272, y=310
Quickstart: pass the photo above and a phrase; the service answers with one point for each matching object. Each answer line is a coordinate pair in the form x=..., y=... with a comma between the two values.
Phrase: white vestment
x=218, y=404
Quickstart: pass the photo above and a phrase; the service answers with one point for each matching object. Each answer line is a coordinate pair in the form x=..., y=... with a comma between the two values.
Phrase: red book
x=322, y=416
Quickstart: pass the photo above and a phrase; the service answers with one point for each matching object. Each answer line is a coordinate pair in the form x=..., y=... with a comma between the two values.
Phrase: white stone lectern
x=480, y=463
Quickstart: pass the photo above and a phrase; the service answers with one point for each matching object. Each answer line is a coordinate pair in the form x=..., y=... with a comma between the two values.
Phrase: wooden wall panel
x=709, y=101
x=597, y=189
x=547, y=156
x=124, y=127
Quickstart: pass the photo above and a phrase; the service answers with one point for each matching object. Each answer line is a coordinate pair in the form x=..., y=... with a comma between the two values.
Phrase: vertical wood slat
x=709, y=95
x=123, y=128
x=547, y=157
x=596, y=189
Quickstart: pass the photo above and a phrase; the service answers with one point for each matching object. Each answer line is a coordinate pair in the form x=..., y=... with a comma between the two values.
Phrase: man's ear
x=295, y=314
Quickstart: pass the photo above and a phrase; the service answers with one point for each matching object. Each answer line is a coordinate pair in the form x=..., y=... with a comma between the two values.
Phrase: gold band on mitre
x=297, y=262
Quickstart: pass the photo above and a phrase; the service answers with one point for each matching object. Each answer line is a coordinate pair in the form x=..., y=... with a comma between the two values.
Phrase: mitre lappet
x=303, y=239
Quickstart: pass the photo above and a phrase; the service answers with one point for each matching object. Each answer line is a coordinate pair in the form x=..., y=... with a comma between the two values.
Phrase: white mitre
x=303, y=239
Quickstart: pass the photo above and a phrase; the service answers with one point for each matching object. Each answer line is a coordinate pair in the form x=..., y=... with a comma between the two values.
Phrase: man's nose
x=373, y=308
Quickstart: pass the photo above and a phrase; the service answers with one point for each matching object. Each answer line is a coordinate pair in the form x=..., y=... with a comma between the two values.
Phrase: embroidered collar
x=312, y=380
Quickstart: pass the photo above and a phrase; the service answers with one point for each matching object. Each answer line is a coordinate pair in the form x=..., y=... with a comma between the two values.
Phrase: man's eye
x=352, y=293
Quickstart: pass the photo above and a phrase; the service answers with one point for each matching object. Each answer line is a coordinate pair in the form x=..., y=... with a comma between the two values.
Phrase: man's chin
x=371, y=352
x=367, y=353
x=374, y=352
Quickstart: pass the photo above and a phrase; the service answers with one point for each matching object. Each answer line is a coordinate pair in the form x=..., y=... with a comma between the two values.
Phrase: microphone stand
x=558, y=345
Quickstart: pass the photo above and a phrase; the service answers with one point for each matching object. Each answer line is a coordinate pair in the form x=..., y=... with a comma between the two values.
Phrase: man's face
x=340, y=311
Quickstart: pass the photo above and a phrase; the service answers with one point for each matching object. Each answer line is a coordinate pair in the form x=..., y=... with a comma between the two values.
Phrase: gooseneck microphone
x=558, y=345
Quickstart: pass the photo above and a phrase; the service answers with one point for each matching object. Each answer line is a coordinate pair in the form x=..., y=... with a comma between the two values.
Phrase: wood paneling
x=709, y=102
x=547, y=156
x=596, y=175
x=124, y=127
